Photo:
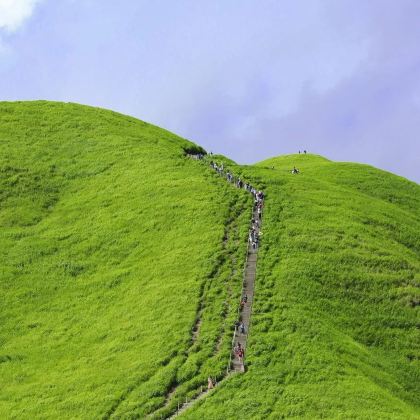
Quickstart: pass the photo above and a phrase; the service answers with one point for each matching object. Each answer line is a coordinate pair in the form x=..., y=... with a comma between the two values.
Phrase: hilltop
x=335, y=327
x=112, y=242
x=121, y=263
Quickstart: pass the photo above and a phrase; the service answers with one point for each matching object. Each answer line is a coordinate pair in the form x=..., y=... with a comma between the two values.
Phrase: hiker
x=242, y=328
x=259, y=212
x=304, y=152
x=295, y=170
x=210, y=383
x=245, y=299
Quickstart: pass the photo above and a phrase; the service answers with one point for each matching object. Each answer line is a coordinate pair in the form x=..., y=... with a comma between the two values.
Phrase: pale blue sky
x=249, y=79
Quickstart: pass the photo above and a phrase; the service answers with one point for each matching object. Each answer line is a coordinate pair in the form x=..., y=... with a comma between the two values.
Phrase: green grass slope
x=113, y=247
x=335, y=325
x=120, y=274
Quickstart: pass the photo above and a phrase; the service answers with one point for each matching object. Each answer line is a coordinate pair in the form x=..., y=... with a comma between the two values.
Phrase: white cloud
x=13, y=13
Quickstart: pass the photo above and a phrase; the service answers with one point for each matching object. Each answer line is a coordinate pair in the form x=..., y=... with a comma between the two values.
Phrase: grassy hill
x=113, y=247
x=121, y=262
x=335, y=328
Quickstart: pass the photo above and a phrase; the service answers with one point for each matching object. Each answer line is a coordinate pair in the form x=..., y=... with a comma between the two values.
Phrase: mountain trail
x=236, y=362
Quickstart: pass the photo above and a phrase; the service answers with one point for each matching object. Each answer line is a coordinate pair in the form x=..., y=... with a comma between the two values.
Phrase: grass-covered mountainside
x=335, y=327
x=113, y=247
x=121, y=263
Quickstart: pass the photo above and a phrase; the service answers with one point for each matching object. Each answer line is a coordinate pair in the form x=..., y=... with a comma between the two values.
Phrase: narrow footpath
x=240, y=335
x=236, y=362
x=245, y=311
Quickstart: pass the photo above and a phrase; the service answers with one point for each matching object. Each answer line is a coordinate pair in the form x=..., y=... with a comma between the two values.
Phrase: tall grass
x=115, y=247
x=335, y=330
x=111, y=239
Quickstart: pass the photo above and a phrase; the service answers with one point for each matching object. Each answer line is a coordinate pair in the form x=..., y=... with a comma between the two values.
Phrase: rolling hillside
x=114, y=246
x=121, y=262
x=335, y=328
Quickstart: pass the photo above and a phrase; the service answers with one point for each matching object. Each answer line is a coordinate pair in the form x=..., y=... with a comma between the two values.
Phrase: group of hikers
x=240, y=327
x=254, y=235
x=258, y=200
x=296, y=170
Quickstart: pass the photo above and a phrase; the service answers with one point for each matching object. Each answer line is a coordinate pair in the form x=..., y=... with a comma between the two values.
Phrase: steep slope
x=335, y=326
x=121, y=263
x=114, y=247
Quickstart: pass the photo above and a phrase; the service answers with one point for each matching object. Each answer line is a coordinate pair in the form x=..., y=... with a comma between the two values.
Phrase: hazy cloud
x=248, y=79
x=13, y=13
